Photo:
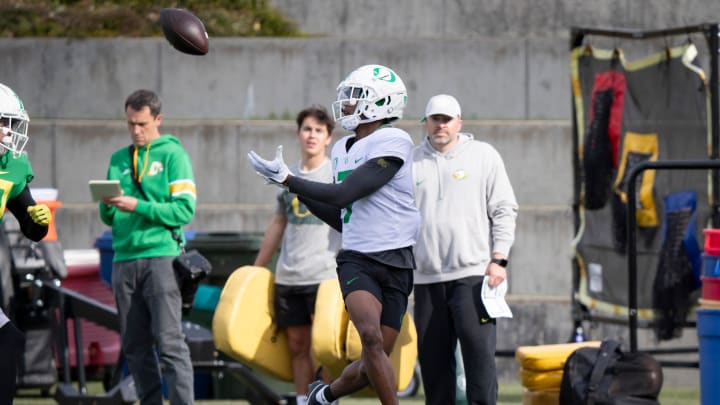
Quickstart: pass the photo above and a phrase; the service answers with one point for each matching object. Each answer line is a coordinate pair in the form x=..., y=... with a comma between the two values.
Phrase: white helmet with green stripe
x=370, y=93
x=13, y=122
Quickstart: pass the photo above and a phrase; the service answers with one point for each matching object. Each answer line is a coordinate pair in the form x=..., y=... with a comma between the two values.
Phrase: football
x=184, y=31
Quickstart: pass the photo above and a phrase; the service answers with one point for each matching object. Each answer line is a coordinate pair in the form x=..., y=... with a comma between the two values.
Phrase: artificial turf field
x=510, y=394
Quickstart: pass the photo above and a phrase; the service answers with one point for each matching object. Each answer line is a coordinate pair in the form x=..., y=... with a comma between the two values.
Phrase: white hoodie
x=467, y=206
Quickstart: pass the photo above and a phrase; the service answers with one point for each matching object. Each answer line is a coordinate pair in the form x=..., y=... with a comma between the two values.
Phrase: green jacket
x=166, y=175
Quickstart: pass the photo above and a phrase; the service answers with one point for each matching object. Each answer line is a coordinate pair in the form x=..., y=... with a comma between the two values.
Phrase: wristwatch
x=499, y=262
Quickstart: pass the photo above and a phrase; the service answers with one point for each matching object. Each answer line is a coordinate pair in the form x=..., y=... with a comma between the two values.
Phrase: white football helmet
x=370, y=93
x=13, y=122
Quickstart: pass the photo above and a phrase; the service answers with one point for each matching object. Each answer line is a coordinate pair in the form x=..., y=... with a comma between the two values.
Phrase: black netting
x=674, y=280
x=658, y=111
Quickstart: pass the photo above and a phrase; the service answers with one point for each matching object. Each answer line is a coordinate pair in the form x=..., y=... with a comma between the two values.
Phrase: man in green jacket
x=158, y=198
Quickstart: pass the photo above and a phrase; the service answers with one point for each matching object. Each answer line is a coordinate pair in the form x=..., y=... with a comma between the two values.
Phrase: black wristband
x=499, y=262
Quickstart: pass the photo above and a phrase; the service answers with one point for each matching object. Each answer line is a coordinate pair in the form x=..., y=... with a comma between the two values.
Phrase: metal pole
x=635, y=171
x=712, y=33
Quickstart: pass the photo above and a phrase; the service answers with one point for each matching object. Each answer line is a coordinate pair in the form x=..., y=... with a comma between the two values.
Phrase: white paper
x=596, y=278
x=494, y=299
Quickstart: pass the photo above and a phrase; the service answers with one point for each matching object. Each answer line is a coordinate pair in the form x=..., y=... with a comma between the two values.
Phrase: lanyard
x=139, y=176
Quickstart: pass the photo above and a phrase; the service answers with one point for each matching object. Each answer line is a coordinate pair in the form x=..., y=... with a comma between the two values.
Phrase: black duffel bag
x=608, y=376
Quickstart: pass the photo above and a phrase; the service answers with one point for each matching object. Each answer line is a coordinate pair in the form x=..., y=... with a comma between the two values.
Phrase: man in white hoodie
x=468, y=212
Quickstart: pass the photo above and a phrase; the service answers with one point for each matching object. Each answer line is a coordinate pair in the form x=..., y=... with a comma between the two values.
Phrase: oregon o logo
x=384, y=74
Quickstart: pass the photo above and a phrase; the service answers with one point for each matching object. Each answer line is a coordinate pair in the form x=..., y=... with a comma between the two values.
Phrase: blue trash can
x=104, y=244
x=708, y=330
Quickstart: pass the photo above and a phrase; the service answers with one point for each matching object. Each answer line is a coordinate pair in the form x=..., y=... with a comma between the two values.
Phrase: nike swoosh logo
x=418, y=183
x=357, y=160
x=352, y=280
x=276, y=171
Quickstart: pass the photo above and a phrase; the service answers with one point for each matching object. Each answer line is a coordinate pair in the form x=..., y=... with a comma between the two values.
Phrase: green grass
x=510, y=394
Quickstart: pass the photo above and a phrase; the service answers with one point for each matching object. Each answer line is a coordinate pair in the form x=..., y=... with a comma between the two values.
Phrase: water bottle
x=579, y=336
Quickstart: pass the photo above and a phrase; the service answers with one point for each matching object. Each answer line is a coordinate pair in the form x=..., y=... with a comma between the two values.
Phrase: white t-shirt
x=386, y=219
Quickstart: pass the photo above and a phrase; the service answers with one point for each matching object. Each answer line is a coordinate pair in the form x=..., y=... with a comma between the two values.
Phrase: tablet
x=100, y=189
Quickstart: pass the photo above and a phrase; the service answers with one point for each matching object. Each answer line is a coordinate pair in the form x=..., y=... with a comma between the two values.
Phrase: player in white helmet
x=371, y=203
x=15, y=174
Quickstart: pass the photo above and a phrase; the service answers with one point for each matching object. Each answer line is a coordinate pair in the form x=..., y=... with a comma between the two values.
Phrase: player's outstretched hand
x=40, y=214
x=275, y=171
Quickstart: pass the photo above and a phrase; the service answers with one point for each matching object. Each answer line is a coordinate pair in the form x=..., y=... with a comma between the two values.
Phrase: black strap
x=607, y=348
x=138, y=186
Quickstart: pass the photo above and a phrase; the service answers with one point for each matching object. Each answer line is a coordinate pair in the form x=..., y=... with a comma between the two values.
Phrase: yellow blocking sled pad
x=403, y=356
x=336, y=342
x=540, y=380
x=330, y=328
x=243, y=326
x=548, y=357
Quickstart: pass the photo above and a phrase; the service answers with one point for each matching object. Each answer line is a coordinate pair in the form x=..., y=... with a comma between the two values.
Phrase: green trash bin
x=227, y=251
x=203, y=309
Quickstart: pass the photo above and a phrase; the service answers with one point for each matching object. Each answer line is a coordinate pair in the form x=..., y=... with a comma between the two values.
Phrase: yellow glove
x=40, y=214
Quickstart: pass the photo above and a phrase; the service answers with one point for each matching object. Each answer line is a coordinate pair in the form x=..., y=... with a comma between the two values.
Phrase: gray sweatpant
x=149, y=305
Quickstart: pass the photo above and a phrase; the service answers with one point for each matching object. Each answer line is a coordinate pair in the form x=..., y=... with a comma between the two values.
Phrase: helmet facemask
x=13, y=130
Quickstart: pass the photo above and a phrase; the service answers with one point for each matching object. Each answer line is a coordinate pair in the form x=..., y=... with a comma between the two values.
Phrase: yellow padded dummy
x=544, y=397
x=548, y=357
x=540, y=380
x=336, y=342
x=243, y=326
x=330, y=327
x=402, y=358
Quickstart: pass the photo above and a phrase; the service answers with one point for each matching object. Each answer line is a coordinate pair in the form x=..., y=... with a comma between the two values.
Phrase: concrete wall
x=256, y=78
x=488, y=18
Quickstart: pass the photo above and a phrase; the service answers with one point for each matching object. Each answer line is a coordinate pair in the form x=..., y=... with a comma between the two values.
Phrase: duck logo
x=155, y=168
x=459, y=175
x=296, y=206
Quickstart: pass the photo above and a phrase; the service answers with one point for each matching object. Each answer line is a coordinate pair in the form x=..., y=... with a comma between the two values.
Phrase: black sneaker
x=313, y=389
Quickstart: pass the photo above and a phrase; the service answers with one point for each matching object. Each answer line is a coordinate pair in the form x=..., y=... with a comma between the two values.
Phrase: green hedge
x=137, y=18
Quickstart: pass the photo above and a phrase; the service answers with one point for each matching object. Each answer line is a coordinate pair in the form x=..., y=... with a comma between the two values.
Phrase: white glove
x=275, y=171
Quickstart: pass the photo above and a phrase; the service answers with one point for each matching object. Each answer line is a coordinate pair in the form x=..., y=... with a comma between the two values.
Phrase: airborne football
x=184, y=31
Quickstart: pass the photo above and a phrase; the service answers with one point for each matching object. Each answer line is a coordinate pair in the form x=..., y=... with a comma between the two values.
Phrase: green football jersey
x=15, y=174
